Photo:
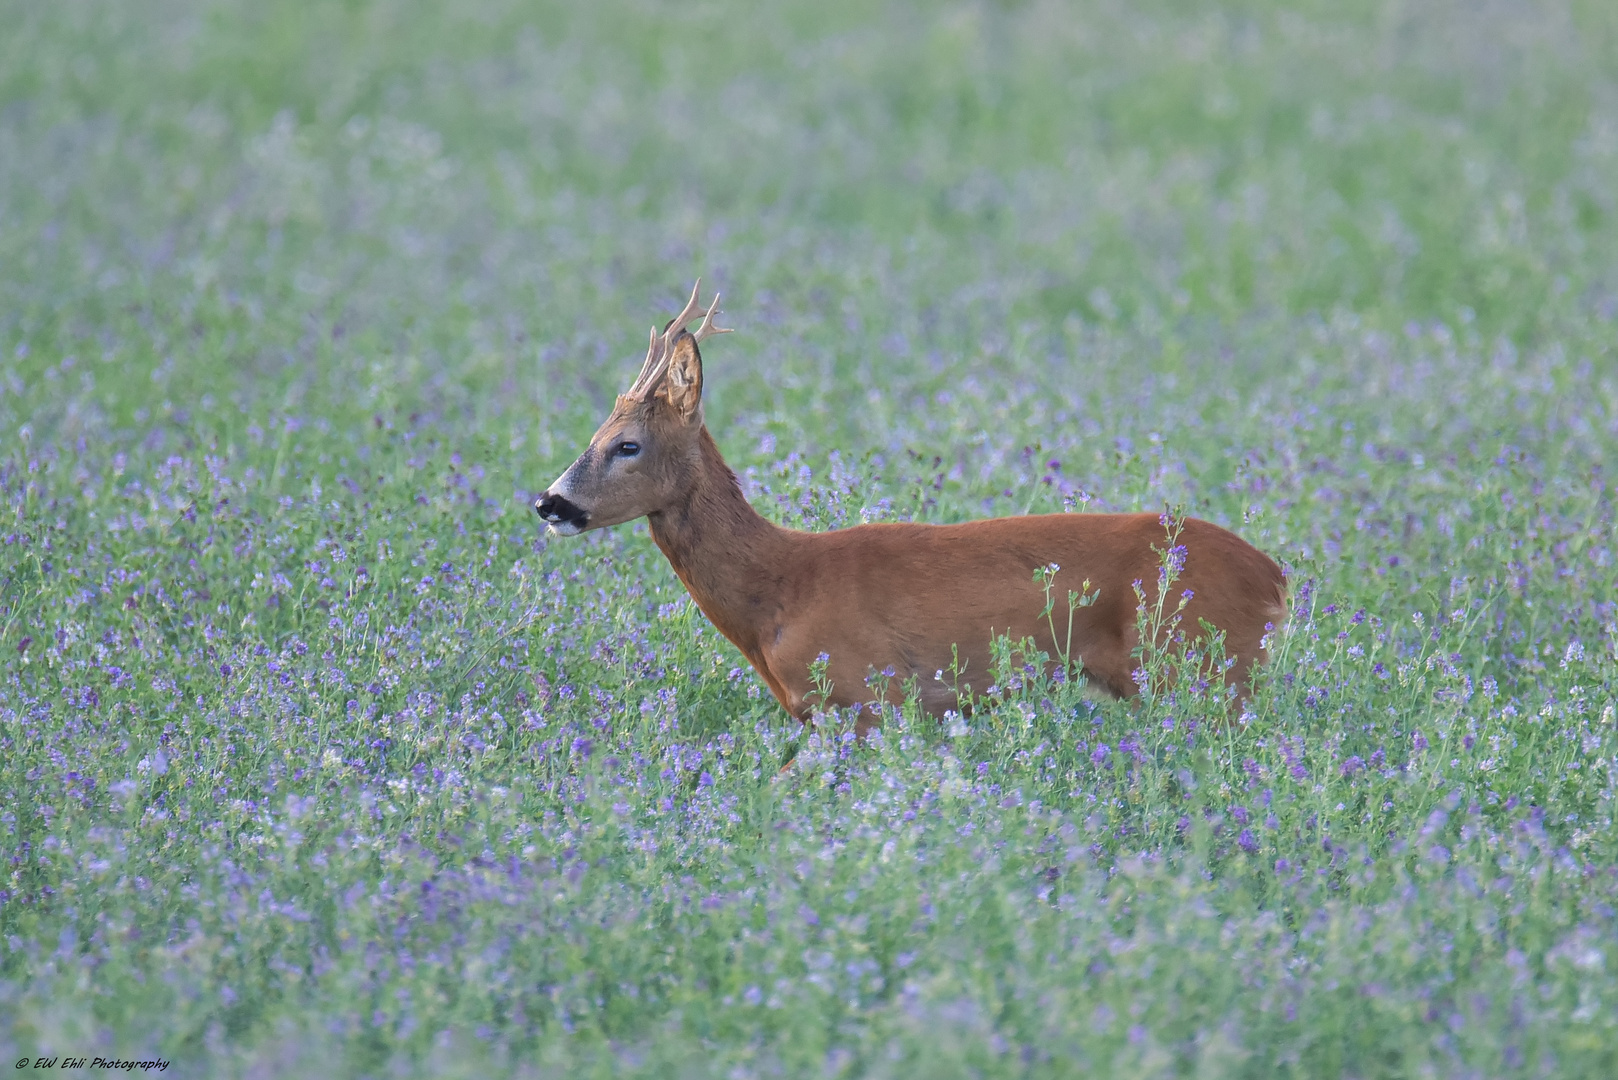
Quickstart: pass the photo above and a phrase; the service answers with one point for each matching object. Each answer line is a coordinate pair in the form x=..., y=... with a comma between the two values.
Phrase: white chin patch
x=564, y=528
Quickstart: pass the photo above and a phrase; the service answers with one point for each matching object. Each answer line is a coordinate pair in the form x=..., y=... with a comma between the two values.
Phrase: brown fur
x=915, y=598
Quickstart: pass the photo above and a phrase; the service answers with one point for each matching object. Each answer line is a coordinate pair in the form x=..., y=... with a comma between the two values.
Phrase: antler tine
x=648, y=367
x=708, y=329
x=690, y=312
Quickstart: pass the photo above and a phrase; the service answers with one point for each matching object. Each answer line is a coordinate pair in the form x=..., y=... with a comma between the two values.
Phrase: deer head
x=647, y=450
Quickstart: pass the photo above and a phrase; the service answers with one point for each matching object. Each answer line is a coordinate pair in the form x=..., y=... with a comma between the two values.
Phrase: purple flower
x=1292, y=751
x=807, y=914
x=1435, y=821
x=1246, y=842
x=1175, y=560
x=582, y=746
x=1353, y=765
x=1100, y=754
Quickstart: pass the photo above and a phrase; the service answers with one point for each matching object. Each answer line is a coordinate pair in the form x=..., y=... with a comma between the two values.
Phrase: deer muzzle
x=563, y=517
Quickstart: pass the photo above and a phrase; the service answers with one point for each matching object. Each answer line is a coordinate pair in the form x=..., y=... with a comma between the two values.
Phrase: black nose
x=557, y=510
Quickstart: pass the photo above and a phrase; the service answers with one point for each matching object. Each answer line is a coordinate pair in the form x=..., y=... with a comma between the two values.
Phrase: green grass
x=317, y=757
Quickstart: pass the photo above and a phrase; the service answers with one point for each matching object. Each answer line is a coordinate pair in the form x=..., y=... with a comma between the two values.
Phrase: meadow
x=317, y=757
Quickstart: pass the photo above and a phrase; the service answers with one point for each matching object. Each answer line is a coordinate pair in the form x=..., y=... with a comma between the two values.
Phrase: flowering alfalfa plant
x=1027, y=685
x=1181, y=672
x=829, y=737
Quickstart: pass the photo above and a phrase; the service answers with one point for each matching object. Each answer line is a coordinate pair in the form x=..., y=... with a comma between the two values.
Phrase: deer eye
x=627, y=449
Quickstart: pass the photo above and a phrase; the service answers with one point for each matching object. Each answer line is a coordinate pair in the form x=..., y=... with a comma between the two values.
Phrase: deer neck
x=726, y=554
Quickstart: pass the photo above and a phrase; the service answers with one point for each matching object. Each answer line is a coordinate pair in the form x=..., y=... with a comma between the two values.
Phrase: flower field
x=317, y=756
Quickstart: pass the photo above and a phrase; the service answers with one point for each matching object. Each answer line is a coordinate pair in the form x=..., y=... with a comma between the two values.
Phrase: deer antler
x=708, y=329
x=654, y=357
x=662, y=345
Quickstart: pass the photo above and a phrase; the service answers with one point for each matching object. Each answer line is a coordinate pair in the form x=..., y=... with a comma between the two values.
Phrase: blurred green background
x=508, y=193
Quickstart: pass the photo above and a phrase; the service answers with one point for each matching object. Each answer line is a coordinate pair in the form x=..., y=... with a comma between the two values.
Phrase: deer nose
x=559, y=511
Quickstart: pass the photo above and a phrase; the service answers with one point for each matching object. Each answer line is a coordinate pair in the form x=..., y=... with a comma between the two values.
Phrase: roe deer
x=908, y=600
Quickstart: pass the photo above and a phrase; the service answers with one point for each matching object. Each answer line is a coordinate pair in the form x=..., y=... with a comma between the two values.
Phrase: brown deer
x=905, y=600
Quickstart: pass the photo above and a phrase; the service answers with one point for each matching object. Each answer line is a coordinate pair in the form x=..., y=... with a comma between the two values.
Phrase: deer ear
x=683, y=384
